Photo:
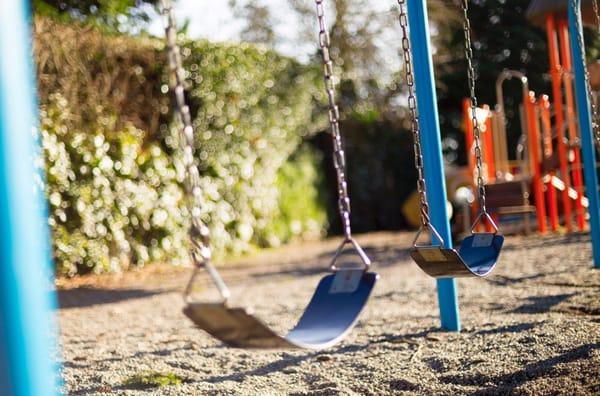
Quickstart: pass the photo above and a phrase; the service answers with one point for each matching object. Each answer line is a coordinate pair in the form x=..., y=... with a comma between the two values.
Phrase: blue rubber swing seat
x=477, y=256
x=333, y=310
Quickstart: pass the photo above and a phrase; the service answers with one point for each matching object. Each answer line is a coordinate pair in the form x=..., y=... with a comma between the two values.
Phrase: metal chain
x=199, y=232
x=476, y=130
x=412, y=106
x=339, y=160
x=586, y=74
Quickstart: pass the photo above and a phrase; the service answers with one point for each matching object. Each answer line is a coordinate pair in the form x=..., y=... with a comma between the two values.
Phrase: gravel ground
x=533, y=327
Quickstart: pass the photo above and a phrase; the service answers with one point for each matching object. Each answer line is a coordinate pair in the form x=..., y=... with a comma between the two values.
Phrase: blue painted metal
x=432, y=150
x=26, y=332
x=587, y=135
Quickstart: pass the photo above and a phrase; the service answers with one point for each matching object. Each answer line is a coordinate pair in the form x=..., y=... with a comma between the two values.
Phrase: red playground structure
x=542, y=182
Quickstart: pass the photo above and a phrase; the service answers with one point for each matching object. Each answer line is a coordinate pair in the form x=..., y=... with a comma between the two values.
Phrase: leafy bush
x=113, y=202
x=301, y=199
x=102, y=74
x=115, y=183
x=253, y=107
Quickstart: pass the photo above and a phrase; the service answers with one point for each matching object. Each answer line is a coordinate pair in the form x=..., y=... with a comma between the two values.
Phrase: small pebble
x=324, y=358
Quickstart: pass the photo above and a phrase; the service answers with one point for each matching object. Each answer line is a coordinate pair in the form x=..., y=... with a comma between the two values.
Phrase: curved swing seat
x=477, y=256
x=339, y=297
x=332, y=312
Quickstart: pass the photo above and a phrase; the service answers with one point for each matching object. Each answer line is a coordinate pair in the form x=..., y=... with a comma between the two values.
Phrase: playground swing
x=479, y=252
x=339, y=297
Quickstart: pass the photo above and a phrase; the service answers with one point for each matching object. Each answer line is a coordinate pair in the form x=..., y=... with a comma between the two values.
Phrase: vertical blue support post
x=26, y=366
x=432, y=150
x=587, y=135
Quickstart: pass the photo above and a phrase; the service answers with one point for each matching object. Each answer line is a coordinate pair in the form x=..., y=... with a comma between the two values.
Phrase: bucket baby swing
x=339, y=297
x=479, y=252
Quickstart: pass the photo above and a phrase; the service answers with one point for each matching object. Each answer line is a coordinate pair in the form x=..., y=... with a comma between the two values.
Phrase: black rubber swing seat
x=477, y=256
x=332, y=312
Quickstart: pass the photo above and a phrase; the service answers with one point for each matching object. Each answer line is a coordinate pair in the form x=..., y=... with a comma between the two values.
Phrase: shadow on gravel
x=542, y=304
x=408, y=337
x=157, y=352
x=502, y=280
x=380, y=256
x=506, y=383
x=90, y=296
x=540, y=242
x=284, y=365
x=512, y=329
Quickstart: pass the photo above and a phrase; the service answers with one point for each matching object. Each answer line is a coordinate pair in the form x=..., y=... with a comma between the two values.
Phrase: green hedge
x=114, y=175
x=113, y=201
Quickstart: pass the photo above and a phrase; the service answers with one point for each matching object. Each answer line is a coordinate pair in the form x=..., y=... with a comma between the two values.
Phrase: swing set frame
x=27, y=366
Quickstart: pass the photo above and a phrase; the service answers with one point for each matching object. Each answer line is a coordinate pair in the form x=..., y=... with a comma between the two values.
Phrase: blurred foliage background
x=114, y=176
x=107, y=14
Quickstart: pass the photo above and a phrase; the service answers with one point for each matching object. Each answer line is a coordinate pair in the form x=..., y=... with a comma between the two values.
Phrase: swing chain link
x=473, y=98
x=339, y=160
x=412, y=106
x=199, y=233
x=586, y=73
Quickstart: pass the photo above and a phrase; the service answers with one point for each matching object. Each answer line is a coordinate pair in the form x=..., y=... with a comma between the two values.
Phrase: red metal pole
x=559, y=117
x=488, y=149
x=469, y=134
x=544, y=106
x=576, y=170
x=534, y=158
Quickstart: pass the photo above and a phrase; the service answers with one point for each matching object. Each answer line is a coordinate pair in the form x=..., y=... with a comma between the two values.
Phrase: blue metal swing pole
x=587, y=135
x=26, y=332
x=432, y=150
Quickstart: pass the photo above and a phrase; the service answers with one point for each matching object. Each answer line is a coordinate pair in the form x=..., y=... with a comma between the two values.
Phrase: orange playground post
x=544, y=107
x=559, y=118
x=534, y=158
x=469, y=138
x=488, y=147
x=576, y=168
